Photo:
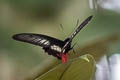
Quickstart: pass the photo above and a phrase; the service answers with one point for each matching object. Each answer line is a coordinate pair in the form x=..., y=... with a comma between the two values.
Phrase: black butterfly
x=52, y=46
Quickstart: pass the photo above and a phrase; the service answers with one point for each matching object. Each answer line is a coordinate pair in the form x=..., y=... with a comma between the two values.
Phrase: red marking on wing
x=65, y=58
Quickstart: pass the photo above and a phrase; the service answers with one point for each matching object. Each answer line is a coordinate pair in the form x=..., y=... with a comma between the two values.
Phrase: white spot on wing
x=56, y=48
x=36, y=40
x=42, y=41
x=47, y=43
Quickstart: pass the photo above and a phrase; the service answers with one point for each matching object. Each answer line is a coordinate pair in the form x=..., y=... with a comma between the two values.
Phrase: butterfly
x=55, y=47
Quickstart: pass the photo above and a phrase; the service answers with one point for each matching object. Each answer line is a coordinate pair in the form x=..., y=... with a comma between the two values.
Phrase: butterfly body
x=52, y=46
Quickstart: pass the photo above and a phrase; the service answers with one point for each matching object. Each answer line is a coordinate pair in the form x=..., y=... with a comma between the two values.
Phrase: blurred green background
x=17, y=60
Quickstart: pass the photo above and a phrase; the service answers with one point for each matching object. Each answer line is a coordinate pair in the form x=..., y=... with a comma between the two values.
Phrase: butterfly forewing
x=85, y=22
x=38, y=39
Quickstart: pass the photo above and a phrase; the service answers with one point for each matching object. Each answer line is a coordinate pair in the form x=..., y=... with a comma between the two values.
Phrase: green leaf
x=55, y=73
x=81, y=68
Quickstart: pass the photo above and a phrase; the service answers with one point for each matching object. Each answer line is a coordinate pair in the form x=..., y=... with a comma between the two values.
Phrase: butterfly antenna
x=75, y=27
x=77, y=22
x=62, y=28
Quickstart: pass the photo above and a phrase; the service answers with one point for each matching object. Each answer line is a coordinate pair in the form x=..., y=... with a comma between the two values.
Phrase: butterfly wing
x=51, y=45
x=85, y=22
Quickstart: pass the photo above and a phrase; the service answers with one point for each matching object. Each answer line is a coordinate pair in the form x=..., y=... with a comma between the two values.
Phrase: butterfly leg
x=74, y=51
x=77, y=23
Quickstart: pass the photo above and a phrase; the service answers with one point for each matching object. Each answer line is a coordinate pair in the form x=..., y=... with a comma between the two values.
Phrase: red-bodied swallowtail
x=52, y=46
